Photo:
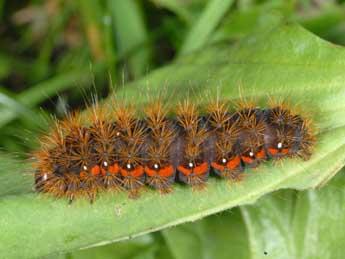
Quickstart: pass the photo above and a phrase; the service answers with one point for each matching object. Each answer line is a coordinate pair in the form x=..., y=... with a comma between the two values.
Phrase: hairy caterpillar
x=118, y=151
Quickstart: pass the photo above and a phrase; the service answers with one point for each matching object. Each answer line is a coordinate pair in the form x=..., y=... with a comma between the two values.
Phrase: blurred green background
x=55, y=53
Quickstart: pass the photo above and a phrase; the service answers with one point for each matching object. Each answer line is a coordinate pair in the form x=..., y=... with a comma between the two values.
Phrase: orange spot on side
x=167, y=171
x=114, y=169
x=234, y=163
x=285, y=150
x=217, y=166
x=124, y=172
x=184, y=170
x=273, y=151
x=201, y=169
x=82, y=174
x=247, y=160
x=149, y=171
x=164, y=172
x=96, y=170
x=137, y=172
x=261, y=154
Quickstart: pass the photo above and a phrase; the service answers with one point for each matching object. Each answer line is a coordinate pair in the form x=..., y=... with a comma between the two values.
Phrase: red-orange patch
x=167, y=171
x=164, y=172
x=285, y=150
x=150, y=172
x=273, y=151
x=247, y=159
x=136, y=172
x=201, y=169
x=261, y=154
x=114, y=169
x=82, y=174
x=96, y=170
x=231, y=164
x=185, y=171
x=234, y=163
x=217, y=166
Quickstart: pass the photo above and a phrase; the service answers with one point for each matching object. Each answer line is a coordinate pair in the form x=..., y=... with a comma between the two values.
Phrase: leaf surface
x=286, y=61
x=289, y=224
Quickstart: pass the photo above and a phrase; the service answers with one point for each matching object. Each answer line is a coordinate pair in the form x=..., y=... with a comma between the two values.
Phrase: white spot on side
x=279, y=145
x=45, y=177
x=155, y=166
x=84, y=167
x=190, y=164
x=105, y=163
x=223, y=160
x=118, y=133
x=251, y=154
x=129, y=166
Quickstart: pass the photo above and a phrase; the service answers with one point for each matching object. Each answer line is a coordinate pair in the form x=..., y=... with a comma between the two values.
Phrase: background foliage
x=53, y=53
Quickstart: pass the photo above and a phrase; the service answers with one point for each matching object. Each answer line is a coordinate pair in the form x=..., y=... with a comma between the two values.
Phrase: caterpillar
x=120, y=151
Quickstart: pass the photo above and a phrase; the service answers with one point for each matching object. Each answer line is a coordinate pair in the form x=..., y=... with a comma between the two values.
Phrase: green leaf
x=286, y=61
x=185, y=10
x=283, y=224
x=13, y=105
x=142, y=247
x=131, y=34
x=217, y=236
x=291, y=225
x=206, y=24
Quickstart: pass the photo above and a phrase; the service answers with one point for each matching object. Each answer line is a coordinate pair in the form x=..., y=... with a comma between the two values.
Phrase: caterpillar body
x=119, y=151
